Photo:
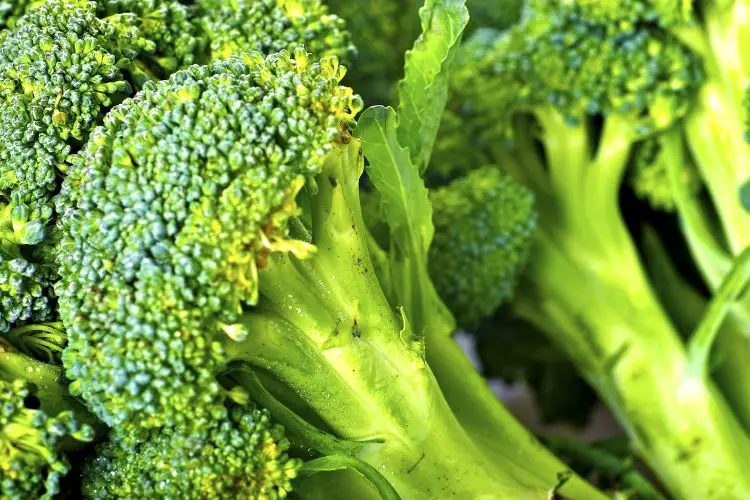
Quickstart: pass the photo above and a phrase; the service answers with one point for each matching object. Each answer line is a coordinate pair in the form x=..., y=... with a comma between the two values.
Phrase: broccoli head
x=212, y=210
x=483, y=227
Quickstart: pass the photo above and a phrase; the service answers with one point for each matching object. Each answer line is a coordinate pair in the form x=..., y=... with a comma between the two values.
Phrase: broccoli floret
x=242, y=455
x=25, y=287
x=196, y=253
x=559, y=102
x=215, y=230
x=272, y=25
x=483, y=227
x=39, y=424
x=63, y=66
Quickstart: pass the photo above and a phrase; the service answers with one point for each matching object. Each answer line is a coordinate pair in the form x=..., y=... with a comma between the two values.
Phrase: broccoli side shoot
x=483, y=227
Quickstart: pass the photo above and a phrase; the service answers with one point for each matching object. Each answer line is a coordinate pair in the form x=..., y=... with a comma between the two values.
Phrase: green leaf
x=404, y=197
x=423, y=91
x=407, y=210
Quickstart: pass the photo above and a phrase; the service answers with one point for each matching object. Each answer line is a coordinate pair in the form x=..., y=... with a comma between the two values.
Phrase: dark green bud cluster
x=240, y=456
x=24, y=293
x=173, y=206
x=31, y=460
x=25, y=287
x=625, y=13
x=484, y=223
x=269, y=26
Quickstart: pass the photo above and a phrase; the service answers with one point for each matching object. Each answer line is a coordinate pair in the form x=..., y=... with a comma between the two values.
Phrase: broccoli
x=25, y=287
x=242, y=455
x=104, y=51
x=483, y=227
x=214, y=247
x=559, y=102
x=39, y=423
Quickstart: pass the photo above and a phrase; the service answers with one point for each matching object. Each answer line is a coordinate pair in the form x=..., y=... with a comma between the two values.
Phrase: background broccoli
x=560, y=101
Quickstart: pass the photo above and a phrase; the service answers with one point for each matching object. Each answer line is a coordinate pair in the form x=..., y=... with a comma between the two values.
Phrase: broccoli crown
x=269, y=26
x=31, y=460
x=62, y=66
x=242, y=455
x=68, y=61
x=483, y=228
x=175, y=202
x=581, y=66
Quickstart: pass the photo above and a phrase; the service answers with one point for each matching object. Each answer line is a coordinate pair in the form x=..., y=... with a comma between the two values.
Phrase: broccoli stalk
x=559, y=102
x=337, y=338
x=712, y=145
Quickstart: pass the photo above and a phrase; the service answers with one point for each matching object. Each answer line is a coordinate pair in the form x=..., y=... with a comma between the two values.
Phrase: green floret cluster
x=31, y=444
x=483, y=228
x=272, y=25
x=210, y=210
x=241, y=456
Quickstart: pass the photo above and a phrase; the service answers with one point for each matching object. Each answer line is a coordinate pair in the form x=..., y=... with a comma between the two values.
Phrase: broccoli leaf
x=424, y=90
x=408, y=212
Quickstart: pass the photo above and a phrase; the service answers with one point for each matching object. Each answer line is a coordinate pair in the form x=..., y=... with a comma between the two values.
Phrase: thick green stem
x=733, y=347
x=625, y=346
x=492, y=428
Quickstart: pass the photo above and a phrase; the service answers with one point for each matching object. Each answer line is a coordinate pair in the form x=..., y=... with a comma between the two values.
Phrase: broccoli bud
x=483, y=228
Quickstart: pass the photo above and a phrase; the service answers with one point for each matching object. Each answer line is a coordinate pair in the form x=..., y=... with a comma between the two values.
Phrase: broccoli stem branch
x=325, y=329
x=622, y=342
x=732, y=350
